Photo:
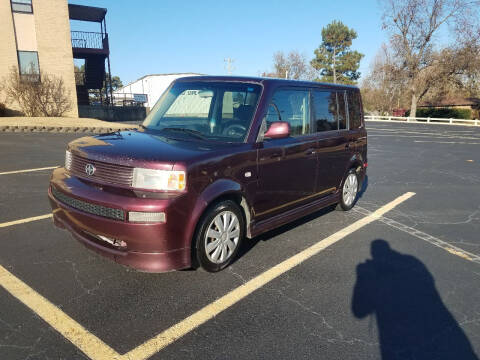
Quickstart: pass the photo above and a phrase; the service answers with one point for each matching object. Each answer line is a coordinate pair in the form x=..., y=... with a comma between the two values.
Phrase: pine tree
x=333, y=58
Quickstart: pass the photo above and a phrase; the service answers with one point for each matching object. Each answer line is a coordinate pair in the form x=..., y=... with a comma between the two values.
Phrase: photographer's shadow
x=413, y=322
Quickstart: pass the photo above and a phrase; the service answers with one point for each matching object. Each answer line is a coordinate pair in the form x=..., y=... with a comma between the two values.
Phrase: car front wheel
x=220, y=235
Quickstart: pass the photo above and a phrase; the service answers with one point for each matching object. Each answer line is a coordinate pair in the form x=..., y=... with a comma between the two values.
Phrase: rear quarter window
x=325, y=109
x=354, y=109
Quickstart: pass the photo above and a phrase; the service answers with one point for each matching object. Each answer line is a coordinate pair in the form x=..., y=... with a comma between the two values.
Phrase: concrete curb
x=61, y=129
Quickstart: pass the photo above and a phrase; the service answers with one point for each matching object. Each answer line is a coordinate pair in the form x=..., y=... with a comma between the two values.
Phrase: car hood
x=145, y=149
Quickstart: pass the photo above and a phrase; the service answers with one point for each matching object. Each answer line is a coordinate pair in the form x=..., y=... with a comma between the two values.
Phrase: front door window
x=294, y=108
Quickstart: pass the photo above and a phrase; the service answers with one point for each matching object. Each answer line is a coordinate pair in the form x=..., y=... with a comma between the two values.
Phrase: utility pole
x=229, y=65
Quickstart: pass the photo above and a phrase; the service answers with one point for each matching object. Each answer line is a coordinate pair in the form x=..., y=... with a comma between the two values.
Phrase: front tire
x=220, y=236
x=349, y=191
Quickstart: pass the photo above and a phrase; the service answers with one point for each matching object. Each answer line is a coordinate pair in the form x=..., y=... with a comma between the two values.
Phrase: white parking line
x=424, y=236
x=426, y=136
x=27, y=170
x=446, y=142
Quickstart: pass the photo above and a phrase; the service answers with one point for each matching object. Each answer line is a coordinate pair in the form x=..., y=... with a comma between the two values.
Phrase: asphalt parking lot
x=404, y=285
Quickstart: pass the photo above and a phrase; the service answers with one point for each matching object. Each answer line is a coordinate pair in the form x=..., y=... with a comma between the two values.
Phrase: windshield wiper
x=195, y=133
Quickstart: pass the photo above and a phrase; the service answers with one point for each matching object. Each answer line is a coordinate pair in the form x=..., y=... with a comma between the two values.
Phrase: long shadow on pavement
x=413, y=322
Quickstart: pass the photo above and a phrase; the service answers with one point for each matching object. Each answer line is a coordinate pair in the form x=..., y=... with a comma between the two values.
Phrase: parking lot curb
x=62, y=129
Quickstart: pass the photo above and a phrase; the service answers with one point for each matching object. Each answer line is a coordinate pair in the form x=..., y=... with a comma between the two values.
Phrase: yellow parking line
x=182, y=328
x=26, y=220
x=98, y=350
x=27, y=170
x=92, y=346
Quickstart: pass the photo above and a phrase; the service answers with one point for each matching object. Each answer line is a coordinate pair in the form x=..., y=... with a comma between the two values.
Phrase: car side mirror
x=278, y=130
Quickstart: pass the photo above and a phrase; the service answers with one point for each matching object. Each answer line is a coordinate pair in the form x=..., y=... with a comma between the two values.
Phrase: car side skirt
x=263, y=226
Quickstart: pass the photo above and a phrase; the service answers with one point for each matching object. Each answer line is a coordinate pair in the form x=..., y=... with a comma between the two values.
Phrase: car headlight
x=159, y=179
x=68, y=160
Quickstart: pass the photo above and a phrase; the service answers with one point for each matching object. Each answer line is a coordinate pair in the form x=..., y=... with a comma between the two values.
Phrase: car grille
x=89, y=208
x=104, y=172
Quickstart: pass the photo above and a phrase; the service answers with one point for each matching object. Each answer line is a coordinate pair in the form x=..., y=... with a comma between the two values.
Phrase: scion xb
x=218, y=160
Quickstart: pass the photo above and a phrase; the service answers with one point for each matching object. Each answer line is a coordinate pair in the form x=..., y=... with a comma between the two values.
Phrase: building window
x=23, y=6
x=28, y=65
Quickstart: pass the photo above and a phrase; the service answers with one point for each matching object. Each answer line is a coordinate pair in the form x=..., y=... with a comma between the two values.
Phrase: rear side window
x=294, y=107
x=325, y=107
x=342, y=110
x=330, y=110
x=354, y=109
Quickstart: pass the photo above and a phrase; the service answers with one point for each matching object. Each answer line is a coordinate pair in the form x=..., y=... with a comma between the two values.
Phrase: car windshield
x=221, y=111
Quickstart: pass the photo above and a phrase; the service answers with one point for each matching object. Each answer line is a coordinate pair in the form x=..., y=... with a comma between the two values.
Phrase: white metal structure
x=423, y=120
x=152, y=85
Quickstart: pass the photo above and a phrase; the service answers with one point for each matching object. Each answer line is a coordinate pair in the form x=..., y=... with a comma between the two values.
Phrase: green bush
x=3, y=110
x=443, y=113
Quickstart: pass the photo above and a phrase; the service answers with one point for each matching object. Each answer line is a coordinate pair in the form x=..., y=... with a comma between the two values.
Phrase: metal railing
x=89, y=40
x=428, y=120
x=129, y=99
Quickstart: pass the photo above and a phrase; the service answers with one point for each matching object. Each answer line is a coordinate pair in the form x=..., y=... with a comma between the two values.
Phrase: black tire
x=344, y=203
x=203, y=258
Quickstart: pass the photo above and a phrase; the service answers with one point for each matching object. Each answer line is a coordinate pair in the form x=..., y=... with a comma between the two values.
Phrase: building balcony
x=89, y=43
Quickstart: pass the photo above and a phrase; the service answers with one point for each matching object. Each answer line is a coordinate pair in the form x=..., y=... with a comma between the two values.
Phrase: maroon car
x=217, y=160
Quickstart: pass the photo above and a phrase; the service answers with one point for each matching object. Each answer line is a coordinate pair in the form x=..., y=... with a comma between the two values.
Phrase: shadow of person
x=412, y=320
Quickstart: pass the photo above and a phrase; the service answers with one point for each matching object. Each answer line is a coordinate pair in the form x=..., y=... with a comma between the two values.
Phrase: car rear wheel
x=220, y=235
x=349, y=191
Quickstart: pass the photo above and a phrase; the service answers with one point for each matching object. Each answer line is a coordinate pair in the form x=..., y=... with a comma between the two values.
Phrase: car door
x=287, y=167
x=329, y=123
x=357, y=132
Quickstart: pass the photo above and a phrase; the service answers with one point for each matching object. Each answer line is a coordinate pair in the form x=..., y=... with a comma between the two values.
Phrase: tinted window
x=294, y=107
x=325, y=106
x=354, y=109
x=342, y=110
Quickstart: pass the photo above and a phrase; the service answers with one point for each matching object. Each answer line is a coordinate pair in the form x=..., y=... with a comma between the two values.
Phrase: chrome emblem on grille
x=89, y=169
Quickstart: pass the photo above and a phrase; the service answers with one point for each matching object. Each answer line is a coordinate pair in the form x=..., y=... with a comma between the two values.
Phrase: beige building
x=35, y=36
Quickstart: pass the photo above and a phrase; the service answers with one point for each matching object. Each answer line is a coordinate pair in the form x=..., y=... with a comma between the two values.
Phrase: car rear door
x=329, y=125
x=287, y=167
x=357, y=132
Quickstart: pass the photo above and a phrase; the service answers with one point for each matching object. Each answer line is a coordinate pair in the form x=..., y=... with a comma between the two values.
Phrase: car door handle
x=310, y=152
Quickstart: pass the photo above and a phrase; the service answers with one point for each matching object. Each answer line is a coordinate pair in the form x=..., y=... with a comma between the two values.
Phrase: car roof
x=267, y=80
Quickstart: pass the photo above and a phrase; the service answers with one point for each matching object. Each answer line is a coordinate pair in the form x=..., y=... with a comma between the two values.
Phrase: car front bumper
x=151, y=247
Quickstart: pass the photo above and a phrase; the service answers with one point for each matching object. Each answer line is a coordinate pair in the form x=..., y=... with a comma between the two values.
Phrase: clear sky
x=165, y=36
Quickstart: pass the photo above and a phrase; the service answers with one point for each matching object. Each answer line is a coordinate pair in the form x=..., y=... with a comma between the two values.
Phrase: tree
x=414, y=26
x=294, y=65
x=36, y=95
x=116, y=82
x=384, y=87
x=333, y=58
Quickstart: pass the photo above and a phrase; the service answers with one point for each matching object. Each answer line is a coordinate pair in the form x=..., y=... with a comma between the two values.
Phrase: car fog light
x=135, y=216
